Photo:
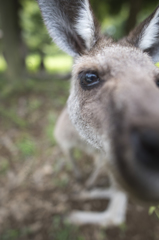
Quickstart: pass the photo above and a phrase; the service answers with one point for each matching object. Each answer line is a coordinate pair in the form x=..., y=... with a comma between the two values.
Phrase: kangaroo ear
x=146, y=36
x=70, y=24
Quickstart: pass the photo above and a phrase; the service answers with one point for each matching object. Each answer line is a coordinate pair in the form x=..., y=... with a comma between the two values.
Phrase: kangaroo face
x=112, y=73
x=114, y=97
x=115, y=108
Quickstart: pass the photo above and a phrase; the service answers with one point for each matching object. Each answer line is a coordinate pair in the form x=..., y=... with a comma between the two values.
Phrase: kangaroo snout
x=137, y=160
x=146, y=147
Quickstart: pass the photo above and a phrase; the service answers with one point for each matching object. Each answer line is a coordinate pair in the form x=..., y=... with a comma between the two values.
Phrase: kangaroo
x=114, y=100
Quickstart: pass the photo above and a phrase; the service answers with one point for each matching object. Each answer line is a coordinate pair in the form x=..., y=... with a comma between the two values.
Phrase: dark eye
x=157, y=82
x=89, y=80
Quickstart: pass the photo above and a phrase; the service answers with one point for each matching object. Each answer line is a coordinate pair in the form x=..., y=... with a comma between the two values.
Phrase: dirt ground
x=36, y=181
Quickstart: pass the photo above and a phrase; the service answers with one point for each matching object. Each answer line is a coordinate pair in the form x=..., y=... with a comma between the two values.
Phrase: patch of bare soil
x=37, y=184
x=31, y=206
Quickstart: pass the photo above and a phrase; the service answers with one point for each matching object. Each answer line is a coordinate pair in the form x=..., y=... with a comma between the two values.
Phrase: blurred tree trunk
x=11, y=41
x=42, y=66
x=135, y=8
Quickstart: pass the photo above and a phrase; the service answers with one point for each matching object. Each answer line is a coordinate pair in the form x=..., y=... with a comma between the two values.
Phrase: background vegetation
x=34, y=177
x=26, y=47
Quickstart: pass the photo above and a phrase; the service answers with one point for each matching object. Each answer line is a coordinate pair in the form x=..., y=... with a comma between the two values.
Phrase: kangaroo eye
x=89, y=80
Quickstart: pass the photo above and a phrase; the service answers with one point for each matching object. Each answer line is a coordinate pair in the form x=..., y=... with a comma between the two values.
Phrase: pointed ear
x=146, y=36
x=71, y=24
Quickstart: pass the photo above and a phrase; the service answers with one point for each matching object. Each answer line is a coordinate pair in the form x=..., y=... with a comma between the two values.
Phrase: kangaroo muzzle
x=145, y=144
x=135, y=141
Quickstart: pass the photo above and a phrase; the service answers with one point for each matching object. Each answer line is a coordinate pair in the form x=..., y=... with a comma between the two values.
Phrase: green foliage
x=33, y=62
x=53, y=64
x=154, y=209
x=100, y=8
x=114, y=26
x=58, y=63
x=35, y=34
x=113, y=14
x=34, y=31
x=3, y=64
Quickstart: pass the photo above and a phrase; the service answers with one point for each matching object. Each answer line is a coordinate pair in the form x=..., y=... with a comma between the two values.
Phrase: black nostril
x=146, y=147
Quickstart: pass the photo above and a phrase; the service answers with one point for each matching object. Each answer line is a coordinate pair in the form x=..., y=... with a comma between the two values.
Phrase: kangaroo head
x=114, y=97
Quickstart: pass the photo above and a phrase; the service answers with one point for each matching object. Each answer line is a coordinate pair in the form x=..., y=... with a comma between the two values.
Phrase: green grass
x=34, y=104
x=4, y=166
x=16, y=234
x=57, y=89
x=32, y=138
x=10, y=115
x=26, y=146
x=64, y=231
x=11, y=234
x=59, y=63
x=50, y=128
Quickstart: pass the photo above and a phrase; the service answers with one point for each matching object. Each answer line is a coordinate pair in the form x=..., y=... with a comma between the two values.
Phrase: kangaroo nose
x=146, y=147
